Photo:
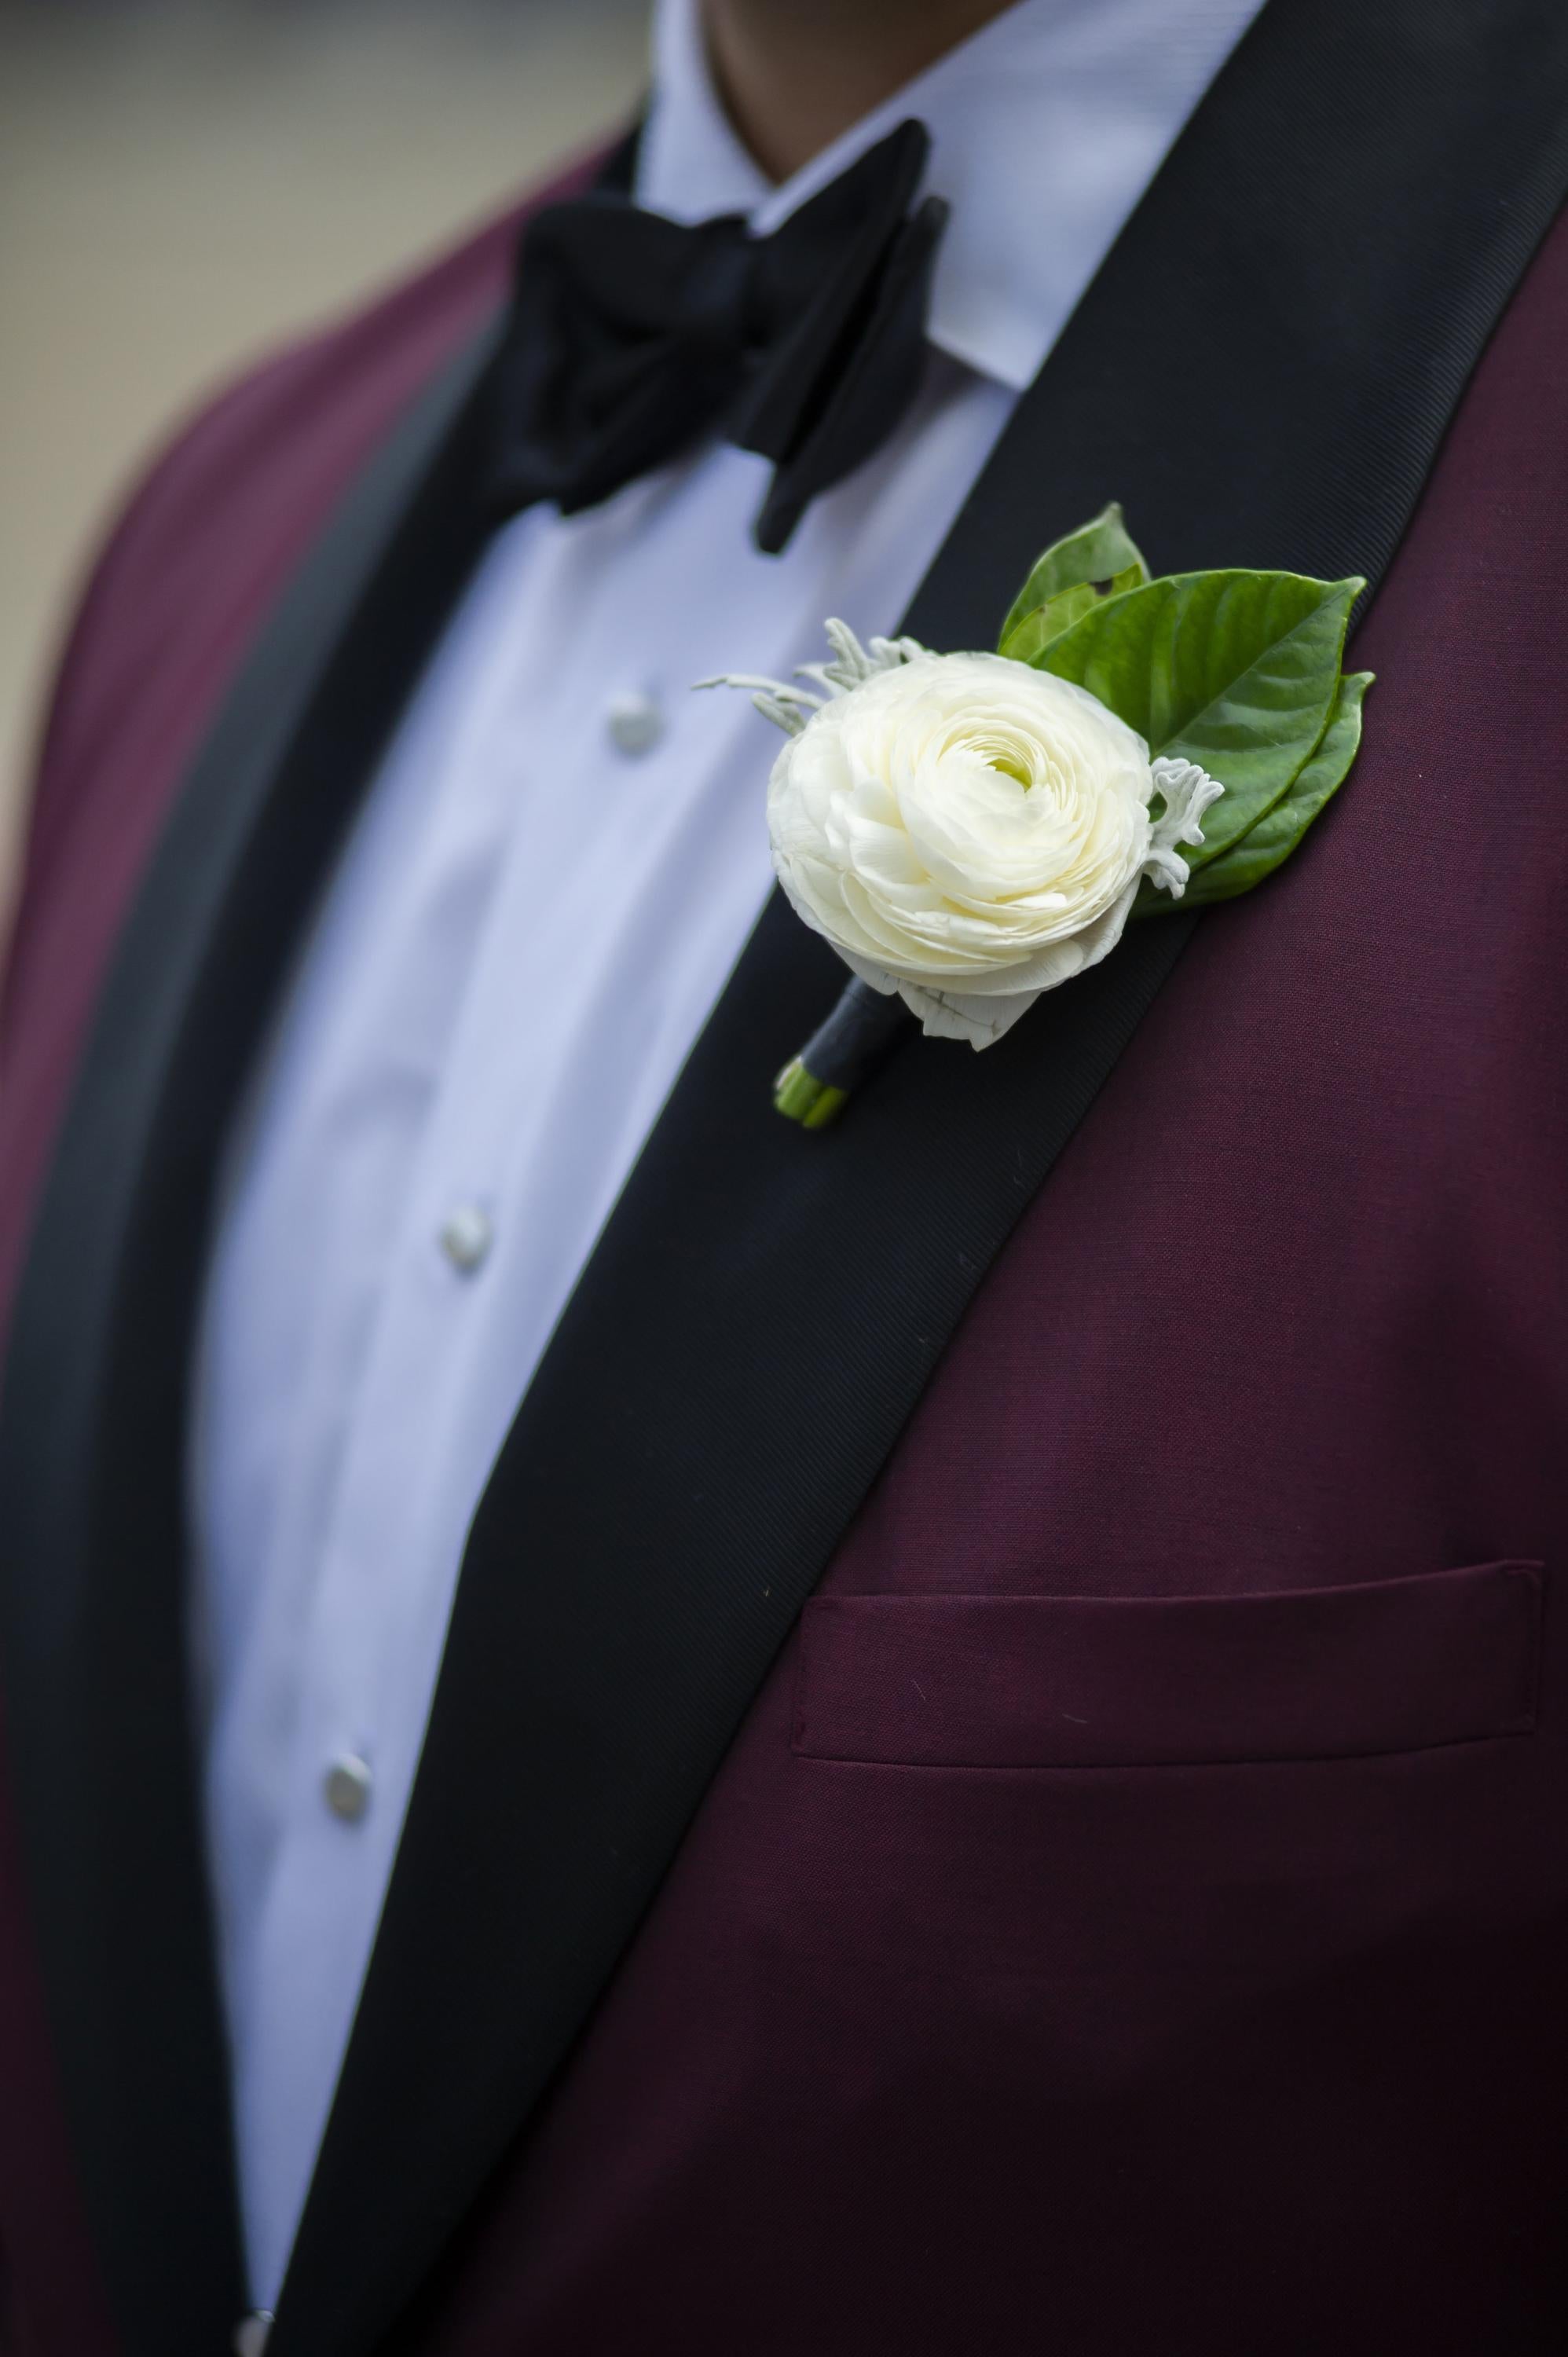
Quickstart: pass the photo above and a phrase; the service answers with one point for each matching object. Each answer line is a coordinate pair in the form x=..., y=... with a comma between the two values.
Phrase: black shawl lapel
x=98, y=1712
x=1263, y=372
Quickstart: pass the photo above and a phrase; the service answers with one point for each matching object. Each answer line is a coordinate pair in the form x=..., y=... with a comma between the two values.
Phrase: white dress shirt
x=550, y=880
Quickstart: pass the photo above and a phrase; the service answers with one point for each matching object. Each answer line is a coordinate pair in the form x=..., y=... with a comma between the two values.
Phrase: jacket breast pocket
x=1350, y=1672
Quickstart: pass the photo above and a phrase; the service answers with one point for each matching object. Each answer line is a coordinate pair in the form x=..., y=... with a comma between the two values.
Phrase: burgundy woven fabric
x=965, y=2042
x=1168, y=1681
x=188, y=575
x=1202, y=2059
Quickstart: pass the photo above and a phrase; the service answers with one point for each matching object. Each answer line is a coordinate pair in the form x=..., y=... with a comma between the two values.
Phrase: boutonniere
x=970, y=830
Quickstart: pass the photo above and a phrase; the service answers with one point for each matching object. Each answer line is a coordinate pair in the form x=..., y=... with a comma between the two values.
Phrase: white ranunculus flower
x=966, y=830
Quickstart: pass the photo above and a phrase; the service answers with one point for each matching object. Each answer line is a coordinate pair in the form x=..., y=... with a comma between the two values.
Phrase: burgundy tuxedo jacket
x=1000, y=1779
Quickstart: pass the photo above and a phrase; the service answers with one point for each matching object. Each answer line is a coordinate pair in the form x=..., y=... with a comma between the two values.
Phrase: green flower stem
x=800, y=1096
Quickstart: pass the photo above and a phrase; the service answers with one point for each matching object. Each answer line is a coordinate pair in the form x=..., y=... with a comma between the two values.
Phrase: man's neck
x=793, y=74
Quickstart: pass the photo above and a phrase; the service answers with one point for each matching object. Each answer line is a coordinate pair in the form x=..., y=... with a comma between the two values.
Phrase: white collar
x=1046, y=125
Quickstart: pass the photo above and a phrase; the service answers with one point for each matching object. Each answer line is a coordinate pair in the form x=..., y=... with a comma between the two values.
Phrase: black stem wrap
x=862, y=1030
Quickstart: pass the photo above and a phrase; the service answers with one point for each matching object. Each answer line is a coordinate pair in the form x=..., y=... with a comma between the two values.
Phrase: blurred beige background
x=183, y=181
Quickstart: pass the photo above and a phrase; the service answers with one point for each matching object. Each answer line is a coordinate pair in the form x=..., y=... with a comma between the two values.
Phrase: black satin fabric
x=631, y=337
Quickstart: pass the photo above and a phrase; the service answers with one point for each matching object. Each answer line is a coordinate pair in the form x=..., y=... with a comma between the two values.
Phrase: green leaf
x=1277, y=833
x=1100, y=551
x=1236, y=671
x=1036, y=632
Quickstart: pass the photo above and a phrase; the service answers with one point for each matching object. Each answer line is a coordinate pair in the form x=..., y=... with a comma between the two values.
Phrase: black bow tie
x=631, y=336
